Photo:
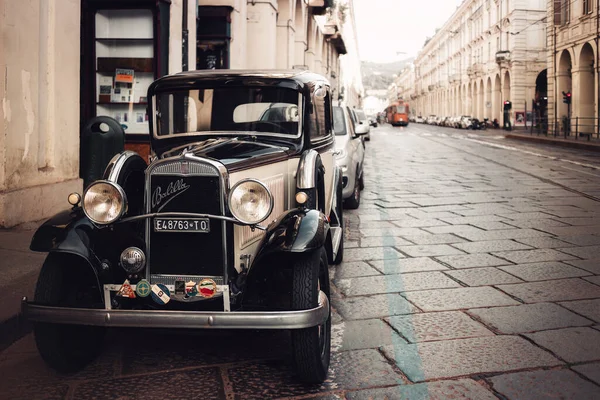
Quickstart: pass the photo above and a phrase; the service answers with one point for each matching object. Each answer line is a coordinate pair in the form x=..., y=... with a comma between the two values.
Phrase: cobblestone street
x=471, y=270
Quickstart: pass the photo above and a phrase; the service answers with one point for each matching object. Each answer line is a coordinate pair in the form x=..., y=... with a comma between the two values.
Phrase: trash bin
x=101, y=139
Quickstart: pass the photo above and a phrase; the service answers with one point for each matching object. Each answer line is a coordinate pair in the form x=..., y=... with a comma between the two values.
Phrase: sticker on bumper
x=160, y=294
x=126, y=290
x=142, y=289
x=207, y=288
x=191, y=289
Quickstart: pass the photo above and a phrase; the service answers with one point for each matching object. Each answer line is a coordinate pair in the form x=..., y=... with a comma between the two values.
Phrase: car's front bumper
x=179, y=319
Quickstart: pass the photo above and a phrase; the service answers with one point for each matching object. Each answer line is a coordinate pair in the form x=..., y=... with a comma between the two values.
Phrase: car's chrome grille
x=185, y=167
x=170, y=279
x=275, y=184
x=186, y=186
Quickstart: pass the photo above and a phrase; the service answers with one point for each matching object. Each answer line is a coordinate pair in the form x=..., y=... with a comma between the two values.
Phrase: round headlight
x=250, y=201
x=104, y=202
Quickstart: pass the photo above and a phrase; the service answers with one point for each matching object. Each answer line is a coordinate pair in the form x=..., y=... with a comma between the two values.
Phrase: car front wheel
x=311, y=346
x=66, y=348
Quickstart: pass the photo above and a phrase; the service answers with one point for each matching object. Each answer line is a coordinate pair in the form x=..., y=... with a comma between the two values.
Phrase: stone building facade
x=56, y=54
x=403, y=87
x=572, y=35
x=487, y=52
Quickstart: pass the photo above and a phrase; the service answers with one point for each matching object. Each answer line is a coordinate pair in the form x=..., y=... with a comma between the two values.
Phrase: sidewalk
x=520, y=134
x=580, y=143
x=19, y=268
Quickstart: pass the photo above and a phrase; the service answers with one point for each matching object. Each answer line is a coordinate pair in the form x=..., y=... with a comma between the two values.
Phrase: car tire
x=353, y=202
x=361, y=181
x=311, y=346
x=339, y=257
x=65, y=348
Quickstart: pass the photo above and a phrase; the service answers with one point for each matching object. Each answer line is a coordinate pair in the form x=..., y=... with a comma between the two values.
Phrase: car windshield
x=401, y=109
x=339, y=123
x=251, y=109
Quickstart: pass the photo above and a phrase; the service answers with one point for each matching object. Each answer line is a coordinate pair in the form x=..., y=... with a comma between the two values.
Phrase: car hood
x=235, y=153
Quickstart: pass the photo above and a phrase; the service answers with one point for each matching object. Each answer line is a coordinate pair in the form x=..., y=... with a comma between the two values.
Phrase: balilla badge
x=173, y=190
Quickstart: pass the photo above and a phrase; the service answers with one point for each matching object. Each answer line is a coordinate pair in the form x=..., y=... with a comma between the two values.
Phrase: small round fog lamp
x=74, y=199
x=133, y=260
x=301, y=197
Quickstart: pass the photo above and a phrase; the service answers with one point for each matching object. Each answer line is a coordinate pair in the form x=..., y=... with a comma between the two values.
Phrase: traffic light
x=507, y=105
x=566, y=97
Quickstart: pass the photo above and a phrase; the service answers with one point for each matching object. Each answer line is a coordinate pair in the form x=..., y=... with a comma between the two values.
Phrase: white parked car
x=350, y=150
x=465, y=122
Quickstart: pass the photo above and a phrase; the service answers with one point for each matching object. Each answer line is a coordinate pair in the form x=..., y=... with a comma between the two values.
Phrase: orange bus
x=397, y=113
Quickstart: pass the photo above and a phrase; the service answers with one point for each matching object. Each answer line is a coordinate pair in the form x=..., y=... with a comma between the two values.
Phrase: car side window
x=351, y=128
x=339, y=121
x=320, y=118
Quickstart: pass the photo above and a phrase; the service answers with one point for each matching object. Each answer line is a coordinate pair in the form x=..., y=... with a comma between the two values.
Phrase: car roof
x=301, y=78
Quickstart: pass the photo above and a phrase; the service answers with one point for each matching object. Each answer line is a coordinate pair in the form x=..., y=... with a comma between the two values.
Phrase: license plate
x=182, y=225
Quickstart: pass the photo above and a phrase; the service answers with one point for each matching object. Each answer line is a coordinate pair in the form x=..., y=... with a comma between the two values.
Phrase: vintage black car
x=232, y=225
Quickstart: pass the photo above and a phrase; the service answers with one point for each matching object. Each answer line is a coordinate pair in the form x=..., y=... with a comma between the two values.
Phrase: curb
x=12, y=330
x=557, y=142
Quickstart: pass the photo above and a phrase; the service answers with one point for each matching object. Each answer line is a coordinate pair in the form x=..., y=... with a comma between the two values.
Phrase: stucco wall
x=39, y=93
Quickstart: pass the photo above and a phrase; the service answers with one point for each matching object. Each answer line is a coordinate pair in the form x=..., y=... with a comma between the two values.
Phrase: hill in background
x=378, y=76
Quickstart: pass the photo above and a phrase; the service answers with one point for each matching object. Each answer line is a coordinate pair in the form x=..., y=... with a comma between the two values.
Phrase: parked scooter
x=476, y=124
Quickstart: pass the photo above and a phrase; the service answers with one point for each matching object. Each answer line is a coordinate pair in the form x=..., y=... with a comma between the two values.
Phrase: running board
x=336, y=238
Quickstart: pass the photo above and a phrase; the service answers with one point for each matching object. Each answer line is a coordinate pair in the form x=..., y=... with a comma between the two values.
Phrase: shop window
x=213, y=35
x=124, y=49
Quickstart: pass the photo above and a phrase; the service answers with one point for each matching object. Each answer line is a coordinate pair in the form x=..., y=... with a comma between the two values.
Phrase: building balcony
x=475, y=70
x=502, y=57
x=319, y=7
x=454, y=78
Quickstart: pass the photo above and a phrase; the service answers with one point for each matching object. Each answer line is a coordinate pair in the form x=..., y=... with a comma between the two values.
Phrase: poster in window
x=105, y=91
x=124, y=75
x=520, y=118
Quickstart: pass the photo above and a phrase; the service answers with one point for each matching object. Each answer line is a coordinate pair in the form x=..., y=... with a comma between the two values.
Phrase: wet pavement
x=472, y=271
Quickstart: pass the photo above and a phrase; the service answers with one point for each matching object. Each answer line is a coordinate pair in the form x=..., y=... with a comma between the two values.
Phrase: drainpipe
x=555, y=82
x=184, y=38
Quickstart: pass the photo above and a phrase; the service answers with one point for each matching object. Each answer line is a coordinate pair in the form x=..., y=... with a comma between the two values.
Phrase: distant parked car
x=419, y=120
x=431, y=120
x=373, y=122
x=350, y=156
x=465, y=122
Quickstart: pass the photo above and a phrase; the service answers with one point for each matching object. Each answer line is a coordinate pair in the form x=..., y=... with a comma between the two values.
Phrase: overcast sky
x=385, y=27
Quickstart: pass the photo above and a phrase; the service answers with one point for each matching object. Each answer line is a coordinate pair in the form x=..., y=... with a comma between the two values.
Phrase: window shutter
x=557, y=8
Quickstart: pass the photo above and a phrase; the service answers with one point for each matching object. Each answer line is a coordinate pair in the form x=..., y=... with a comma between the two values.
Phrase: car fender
x=296, y=231
x=68, y=232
